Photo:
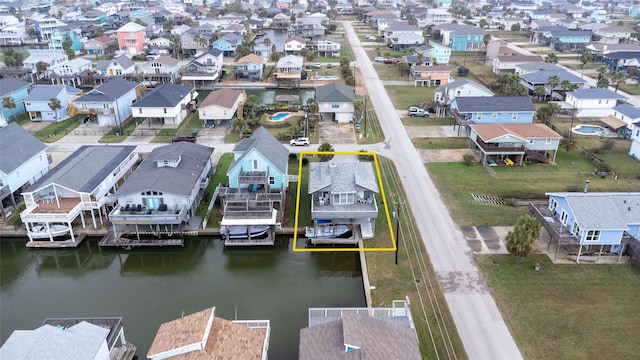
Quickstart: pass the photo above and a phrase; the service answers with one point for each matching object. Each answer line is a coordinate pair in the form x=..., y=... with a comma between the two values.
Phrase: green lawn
x=456, y=182
x=405, y=96
x=389, y=72
x=371, y=130
x=440, y=143
x=219, y=177
x=57, y=130
x=567, y=311
x=632, y=89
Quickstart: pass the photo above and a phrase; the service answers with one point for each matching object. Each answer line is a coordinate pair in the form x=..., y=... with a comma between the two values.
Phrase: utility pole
x=398, y=204
x=365, y=115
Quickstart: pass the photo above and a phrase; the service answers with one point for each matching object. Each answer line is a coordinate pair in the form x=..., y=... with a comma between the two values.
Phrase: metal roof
x=596, y=93
x=179, y=180
x=542, y=76
x=494, y=104
x=16, y=147
x=86, y=168
x=628, y=110
x=335, y=92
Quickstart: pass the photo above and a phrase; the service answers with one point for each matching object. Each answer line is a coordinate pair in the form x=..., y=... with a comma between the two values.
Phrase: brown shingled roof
x=222, y=97
x=251, y=58
x=488, y=132
x=166, y=60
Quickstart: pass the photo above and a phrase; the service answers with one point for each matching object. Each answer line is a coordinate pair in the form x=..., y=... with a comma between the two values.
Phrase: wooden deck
x=46, y=244
x=109, y=240
x=269, y=240
x=126, y=352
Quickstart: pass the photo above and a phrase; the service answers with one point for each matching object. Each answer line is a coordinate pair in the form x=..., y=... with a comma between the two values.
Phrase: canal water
x=150, y=286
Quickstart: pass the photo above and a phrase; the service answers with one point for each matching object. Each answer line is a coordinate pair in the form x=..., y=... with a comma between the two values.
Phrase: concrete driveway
x=477, y=318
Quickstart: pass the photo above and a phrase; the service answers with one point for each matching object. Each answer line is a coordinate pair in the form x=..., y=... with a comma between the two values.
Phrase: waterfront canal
x=150, y=286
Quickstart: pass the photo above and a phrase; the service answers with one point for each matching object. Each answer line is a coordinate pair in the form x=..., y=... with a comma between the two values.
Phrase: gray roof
x=109, y=91
x=541, y=77
x=79, y=342
x=467, y=104
x=264, y=143
x=19, y=144
x=179, y=180
x=86, y=168
x=166, y=95
x=375, y=339
x=46, y=92
x=596, y=93
x=335, y=92
x=615, y=211
x=539, y=66
x=11, y=84
x=341, y=177
x=462, y=82
x=628, y=110
x=122, y=60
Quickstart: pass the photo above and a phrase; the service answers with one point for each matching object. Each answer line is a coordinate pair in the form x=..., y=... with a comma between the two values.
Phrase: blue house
x=37, y=102
x=109, y=103
x=228, y=43
x=494, y=110
x=634, y=11
x=17, y=90
x=254, y=199
x=571, y=221
x=462, y=37
x=560, y=38
x=439, y=53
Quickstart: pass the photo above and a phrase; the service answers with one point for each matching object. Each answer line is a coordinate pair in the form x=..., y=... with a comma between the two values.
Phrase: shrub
x=305, y=161
x=607, y=145
x=293, y=157
x=468, y=159
x=365, y=157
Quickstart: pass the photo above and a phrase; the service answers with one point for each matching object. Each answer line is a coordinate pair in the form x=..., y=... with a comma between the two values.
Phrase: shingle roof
x=297, y=38
x=460, y=83
x=46, y=92
x=131, y=27
x=251, y=58
x=16, y=147
x=622, y=55
x=378, y=339
x=616, y=211
x=221, y=97
x=596, y=93
x=86, y=168
x=165, y=95
x=496, y=103
x=541, y=77
x=489, y=132
x=264, y=143
x=335, y=92
x=122, y=60
x=109, y=91
x=341, y=177
x=11, y=84
x=166, y=60
x=628, y=110
x=179, y=180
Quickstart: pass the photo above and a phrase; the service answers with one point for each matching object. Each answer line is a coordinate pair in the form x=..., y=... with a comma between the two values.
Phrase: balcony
x=95, y=111
x=495, y=148
x=142, y=215
x=323, y=208
x=253, y=177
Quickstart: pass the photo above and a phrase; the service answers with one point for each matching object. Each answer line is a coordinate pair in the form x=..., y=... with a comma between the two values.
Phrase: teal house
x=58, y=35
x=17, y=90
x=439, y=53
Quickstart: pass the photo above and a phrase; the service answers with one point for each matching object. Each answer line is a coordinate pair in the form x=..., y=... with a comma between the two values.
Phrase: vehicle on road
x=302, y=141
x=357, y=127
x=390, y=60
x=416, y=111
x=379, y=59
x=329, y=65
x=317, y=65
x=372, y=37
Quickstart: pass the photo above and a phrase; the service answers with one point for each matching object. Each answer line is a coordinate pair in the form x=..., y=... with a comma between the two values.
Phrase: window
x=576, y=229
x=165, y=110
x=255, y=164
x=479, y=117
x=599, y=101
x=548, y=141
x=494, y=115
x=272, y=180
x=140, y=110
x=553, y=204
x=592, y=235
x=564, y=217
x=514, y=116
x=531, y=141
x=335, y=106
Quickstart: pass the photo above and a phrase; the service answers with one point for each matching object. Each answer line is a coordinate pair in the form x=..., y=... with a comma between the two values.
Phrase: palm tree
x=325, y=147
x=619, y=78
x=538, y=91
x=55, y=105
x=551, y=58
x=177, y=46
x=252, y=101
x=520, y=241
x=483, y=23
x=402, y=66
x=585, y=57
x=9, y=103
x=552, y=82
x=312, y=106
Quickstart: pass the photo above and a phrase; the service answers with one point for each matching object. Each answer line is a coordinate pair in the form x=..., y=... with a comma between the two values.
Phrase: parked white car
x=372, y=37
x=302, y=141
x=379, y=59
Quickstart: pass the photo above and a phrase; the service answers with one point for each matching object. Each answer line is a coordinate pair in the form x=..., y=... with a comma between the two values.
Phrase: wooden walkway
x=126, y=352
x=46, y=244
x=110, y=240
x=269, y=240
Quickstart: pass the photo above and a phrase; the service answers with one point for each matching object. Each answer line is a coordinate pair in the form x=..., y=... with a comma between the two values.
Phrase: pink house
x=131, y=38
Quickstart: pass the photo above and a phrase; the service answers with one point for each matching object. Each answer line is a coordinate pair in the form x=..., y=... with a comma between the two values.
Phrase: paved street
x=479, y=323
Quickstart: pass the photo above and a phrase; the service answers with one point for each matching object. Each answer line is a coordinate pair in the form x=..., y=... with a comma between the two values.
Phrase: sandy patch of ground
x=443, y=155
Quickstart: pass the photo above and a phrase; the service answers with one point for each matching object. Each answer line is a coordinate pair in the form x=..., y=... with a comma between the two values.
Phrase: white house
x=161, y=70
x=613, y=34
x=596, y=102
x=294, y=44
x=220, y=105
x=168, y=104
x=446, y=93
x=507, y=64
x=118, y=66
x=335, y=102
x=72, y=67
x=628, y=115
x=635, y=145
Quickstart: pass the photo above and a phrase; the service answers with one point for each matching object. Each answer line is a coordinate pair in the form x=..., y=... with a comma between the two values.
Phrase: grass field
x=440, y=143
x=405, y=96
x=389, y=72
x=456, y=182
x=219, y=177
x=57, y=130
x=567, y=311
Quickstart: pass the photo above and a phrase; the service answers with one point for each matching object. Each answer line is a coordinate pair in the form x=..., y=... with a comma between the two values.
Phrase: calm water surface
x=150, y=286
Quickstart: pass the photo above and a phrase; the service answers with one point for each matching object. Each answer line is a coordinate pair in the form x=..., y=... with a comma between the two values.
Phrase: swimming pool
x=591, y=130
x=279, y=116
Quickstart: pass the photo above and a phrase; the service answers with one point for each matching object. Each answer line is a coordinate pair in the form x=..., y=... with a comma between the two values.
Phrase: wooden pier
x=59, y=244
x=110, y=240
x=270, y=239
x=333, y=241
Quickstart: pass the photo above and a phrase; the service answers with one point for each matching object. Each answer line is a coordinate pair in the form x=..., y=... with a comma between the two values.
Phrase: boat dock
x=334, y=241
x=270, y=239
x=58, y=244
x=110, y=240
